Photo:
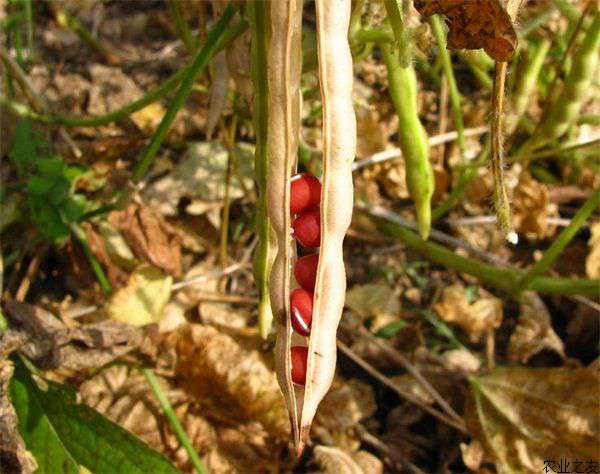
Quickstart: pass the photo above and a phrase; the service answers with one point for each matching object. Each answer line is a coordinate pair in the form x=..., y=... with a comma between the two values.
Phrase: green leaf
x=47, y=219
x=38, y=185
x=63, y=434
x=390, y=330
x=26, y=148
x=72, y=172
x=51, y=167
x=75, y=207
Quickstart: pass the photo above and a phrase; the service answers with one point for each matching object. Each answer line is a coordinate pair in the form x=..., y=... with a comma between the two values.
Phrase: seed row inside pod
x=305, y=196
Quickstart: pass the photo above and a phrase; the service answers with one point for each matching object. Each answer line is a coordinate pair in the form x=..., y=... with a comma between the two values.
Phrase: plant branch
x=502, y=278
x=173, y=421
x=559, y=243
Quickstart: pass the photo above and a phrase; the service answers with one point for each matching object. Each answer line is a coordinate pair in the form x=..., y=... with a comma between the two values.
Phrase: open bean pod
x=336, y=203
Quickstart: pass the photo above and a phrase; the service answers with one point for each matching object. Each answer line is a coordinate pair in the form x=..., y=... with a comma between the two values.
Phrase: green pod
x=564, y=111
x=412, y=135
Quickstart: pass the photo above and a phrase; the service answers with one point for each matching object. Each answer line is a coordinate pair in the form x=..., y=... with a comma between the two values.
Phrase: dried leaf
x=122, y=394
x=200, y=178
x=333, y=460
x=143, y=299
x=460, y=360
x=476, y=317
x=371, y=136
x=111, y=89
x=592, y=262
x=472, y=454
x=231, y=382
x=531, y=209
x=473, y=25
x=50, y=343
x=524, y=416
x=534, y=331
x=345, y=405
x=374, y=301
x=149, y=237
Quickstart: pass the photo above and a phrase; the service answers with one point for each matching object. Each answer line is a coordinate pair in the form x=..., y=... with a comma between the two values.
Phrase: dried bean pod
x=339, y=148
x=284, y=55
x=576, y=87
x=339, y=143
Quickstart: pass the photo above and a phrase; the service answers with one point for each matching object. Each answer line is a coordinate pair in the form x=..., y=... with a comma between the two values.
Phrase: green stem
x=503, y=278
x=466, y=174
x=478, y=71
x=182, y=26
x=150, y=97
x=173, y=421
x=440, y=36
x=29, y=21
x=559, y=244
x=70, y=22
x=79, y=234
x=192, y=73
x=258, y=18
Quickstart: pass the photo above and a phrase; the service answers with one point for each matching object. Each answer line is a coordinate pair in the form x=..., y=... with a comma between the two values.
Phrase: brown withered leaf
x=475, y=24
x=376, y=302
x=122, y=394
x=51, y=343
x=333, y=460
x=476, y=317
x=231, y=382
x=524, y=416
x=472, y=454
x=592, y=262
x=345, y=405
x=143, y=299
x=531, y=209
x=149, y=237
x=534, y=331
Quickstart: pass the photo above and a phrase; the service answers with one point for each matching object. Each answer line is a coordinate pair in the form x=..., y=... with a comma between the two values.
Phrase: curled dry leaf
x=142, y=300
x=524, y=416
x=334, y=460
x=346, y=404
x=51, y=344
x=592, y=262
x=149, y=237
x=473, y=25
x=475, y=317
x=472, y=454
x=231, y=382
x=534, y=331
x=531, y=209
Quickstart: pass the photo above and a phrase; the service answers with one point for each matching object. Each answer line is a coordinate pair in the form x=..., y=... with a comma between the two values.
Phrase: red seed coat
x=301, y=305
x=307, y=228
x=299, y=356
x=305, y=271
x=305, y=192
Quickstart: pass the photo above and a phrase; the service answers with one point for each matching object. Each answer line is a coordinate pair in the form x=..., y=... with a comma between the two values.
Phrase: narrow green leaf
x=63, y=434
x=390, y=330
